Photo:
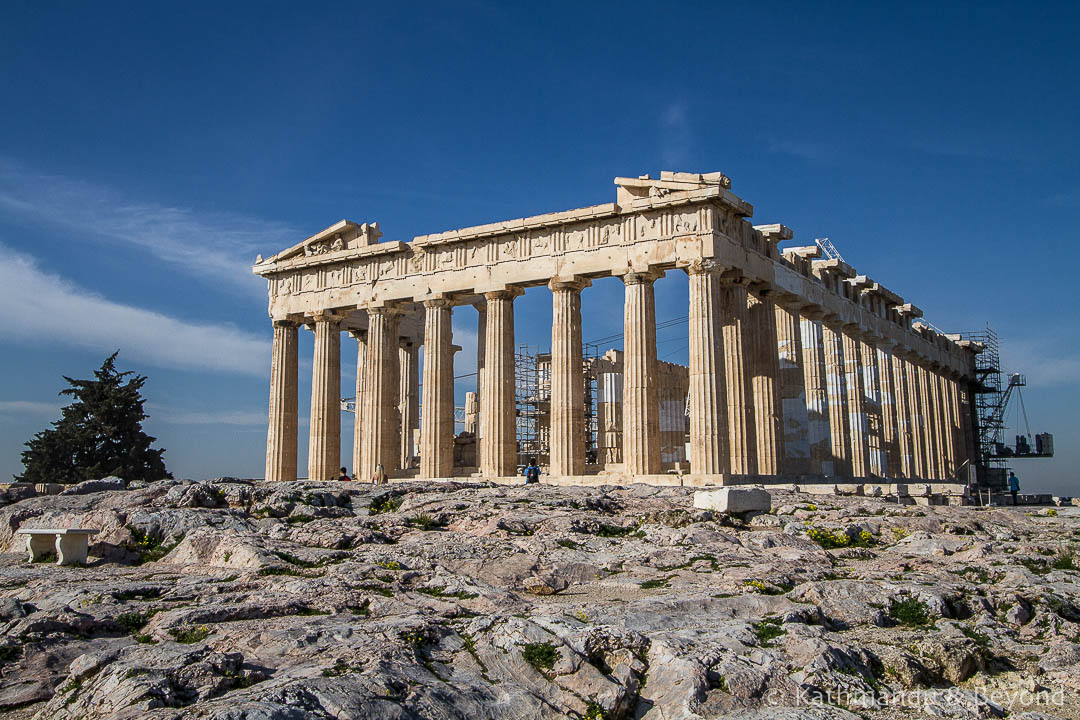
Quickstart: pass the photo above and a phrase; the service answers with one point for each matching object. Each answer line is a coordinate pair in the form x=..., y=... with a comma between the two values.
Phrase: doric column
x=871, y=385
x=408, y=399
x=947, y=425
x=740, y=410
x=840, y=438
x=764, y=378
x=708, y=420
x=856, y=402
x=481, y=358
x=887, y=398
x=324, y=444
x=902, y=403
x=567, y=438
x=498, y=443
x=916, y=406
x=641, y=408
x=281, y=438
x=929, y=424
x=437, y=416
x=380, y=444
x=359, y=425
x=793, y=397
x=817, y=394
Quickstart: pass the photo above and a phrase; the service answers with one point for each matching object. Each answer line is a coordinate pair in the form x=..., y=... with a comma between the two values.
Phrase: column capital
x=644, y=277
x=814, y=313
x=509, y=293
x=578, y=284
x=358, y=334
x=286, y=323
x=438, y=302
x=733, y=277
x=323, y=316
x=704, y=267
x=385, y=310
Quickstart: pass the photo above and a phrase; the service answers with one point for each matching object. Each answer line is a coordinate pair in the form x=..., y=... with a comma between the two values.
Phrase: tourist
x=1014, y=485
x=379, y=478
x=343, y=475
x=532, y=473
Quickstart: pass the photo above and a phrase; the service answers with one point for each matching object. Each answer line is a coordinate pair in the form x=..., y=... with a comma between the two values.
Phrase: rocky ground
x=229, y=600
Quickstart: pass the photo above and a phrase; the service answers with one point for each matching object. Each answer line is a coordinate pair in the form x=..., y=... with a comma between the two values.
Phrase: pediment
x=341, y=236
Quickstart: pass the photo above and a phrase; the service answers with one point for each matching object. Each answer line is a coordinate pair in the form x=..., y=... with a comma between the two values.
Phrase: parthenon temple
x=800, y=368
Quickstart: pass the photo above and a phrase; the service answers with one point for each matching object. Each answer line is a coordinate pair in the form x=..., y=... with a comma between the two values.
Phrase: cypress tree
x=98, y=435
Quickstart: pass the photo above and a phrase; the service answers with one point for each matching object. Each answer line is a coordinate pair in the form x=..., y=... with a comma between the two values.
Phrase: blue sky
x=148, y=152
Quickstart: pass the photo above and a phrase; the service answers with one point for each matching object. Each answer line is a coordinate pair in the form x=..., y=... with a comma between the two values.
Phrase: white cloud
x=36, y=306
x=1042, y=363
x=215, y=246
x=206, y=417
x=28, y=407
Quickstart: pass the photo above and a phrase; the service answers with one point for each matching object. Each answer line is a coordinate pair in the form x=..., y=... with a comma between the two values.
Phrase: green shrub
x=909, y=612
x=190, y=635
x=570, y=544
x=1066, y=560
x=132, y=622
x=832, y=539
x=657, y=583
x=768, y=630
x=386, y=504
x=423, y=521
x=279, y=571
x=541, y=656
x=150, y=548
x=8, y=652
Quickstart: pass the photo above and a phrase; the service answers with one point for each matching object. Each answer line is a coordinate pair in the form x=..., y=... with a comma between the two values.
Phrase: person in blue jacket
x=1014, y=485
x=532, y=472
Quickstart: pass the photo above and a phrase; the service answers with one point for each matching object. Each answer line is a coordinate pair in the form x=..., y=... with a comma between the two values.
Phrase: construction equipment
x=993, y=397
x=828, y=249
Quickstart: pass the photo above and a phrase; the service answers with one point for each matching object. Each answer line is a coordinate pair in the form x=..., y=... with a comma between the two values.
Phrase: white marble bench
x=70, y=544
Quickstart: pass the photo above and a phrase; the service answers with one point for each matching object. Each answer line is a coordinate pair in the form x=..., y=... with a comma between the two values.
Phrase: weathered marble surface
x=312, y=607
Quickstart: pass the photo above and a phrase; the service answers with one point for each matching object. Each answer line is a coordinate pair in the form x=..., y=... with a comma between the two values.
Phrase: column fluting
x=817, y=393
x=764, y=379
x=839, y=435
x=437, y=411
x=856, y=402
x=708, y=402
x=408, y=399
x=281, y=436
x=498, y=441
x=740, y=410
x=567, y=426
x=324, y=443
x=641, y=409
x=380, y=444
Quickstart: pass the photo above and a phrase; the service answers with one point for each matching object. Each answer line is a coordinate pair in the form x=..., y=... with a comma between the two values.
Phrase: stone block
x=733, y=500
x=92, y=486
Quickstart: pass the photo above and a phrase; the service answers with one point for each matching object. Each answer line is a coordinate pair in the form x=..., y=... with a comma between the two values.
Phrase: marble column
x=641, y=408
x=567, y=430
x=887, y=398
x=795, y=418
x=871, y=385
x=740, y=409
x=408, y=399
x=967, y=426
x=764, y=379
x=498, y=443
x=916, y=407
x=839, y=435
x=948, y=433
x=381, y=443
x=437, y=415
x=481, y=358
x=324, y=444
x=817, y=394
x=856, y=402
x=929, y=424
x=901, y=397
x=360, y=427
x=708, y=404
x=281, y=440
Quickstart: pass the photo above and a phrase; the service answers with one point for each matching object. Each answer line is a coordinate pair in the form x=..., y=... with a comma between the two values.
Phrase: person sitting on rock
x=343, y=475
x=532, y=473
x=379, y=478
